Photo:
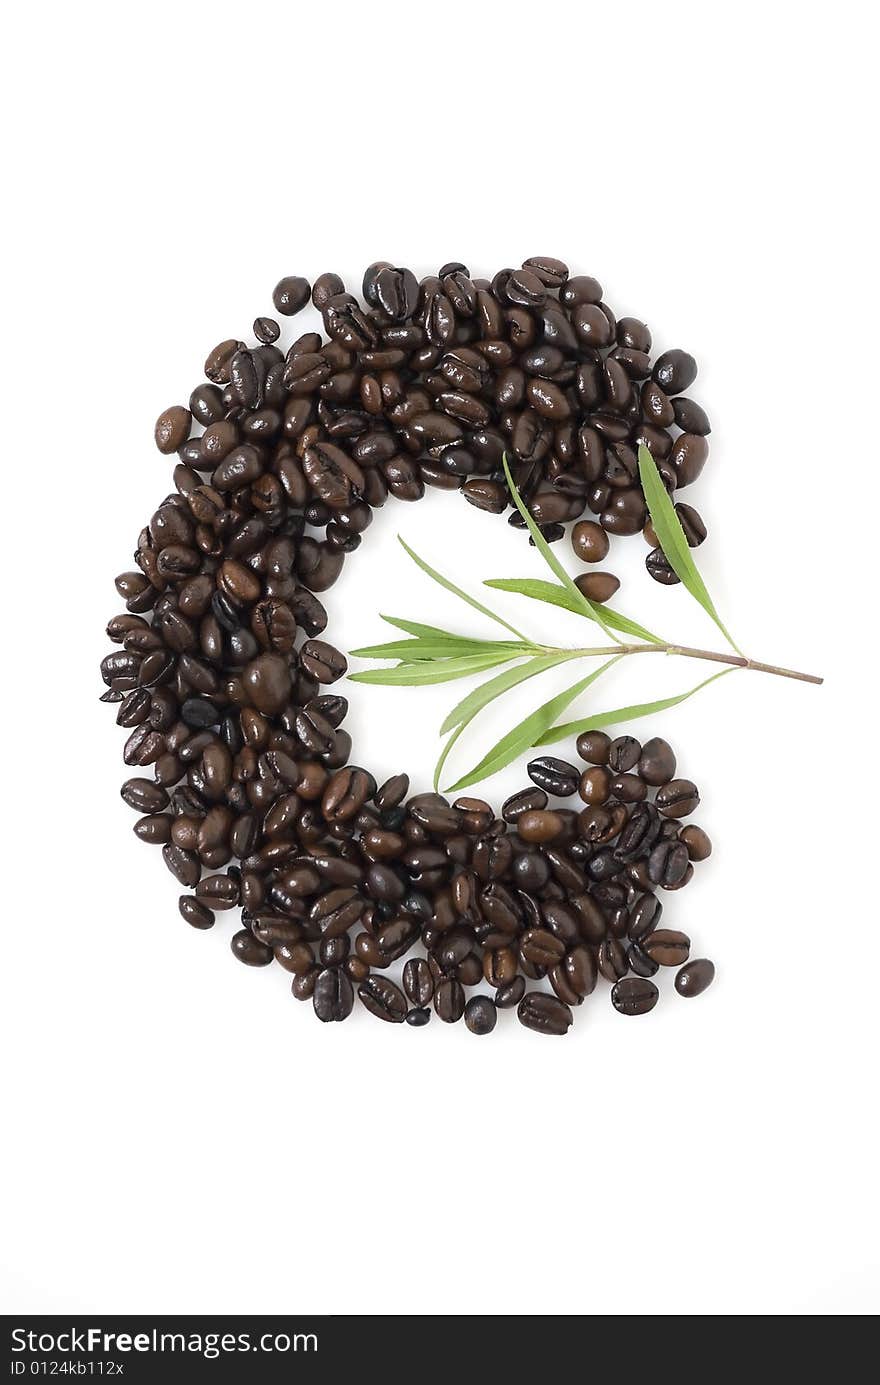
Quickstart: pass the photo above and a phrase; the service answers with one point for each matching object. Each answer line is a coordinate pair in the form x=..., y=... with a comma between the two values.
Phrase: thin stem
x=736, y=660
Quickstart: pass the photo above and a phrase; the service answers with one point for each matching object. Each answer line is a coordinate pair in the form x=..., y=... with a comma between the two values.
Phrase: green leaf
x=431, y=671
x=671, y=538
x=501, y=683
x=621, y=714
x=457, y=591
x=409, y=650
x=412, y=627
x=554, y=595
x=523, y=735
x=550, y=558
x=444, y=754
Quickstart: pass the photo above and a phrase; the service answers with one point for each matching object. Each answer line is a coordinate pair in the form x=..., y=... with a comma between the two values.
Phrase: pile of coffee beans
x=220, y=674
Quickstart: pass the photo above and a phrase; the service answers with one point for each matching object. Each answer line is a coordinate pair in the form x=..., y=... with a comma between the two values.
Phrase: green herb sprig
x=434, y=655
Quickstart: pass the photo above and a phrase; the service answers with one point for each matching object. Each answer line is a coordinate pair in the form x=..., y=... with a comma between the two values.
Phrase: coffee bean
x=333, y=995
x=172, y=428
x=699, y=847
x=623, y=754
x=545, y=1014
x=594, y=747
x=418, y=982
x=539, y=825
x=677, y=798
x=597, y=586
x=195, y=912
x=667, y=947
x=480, y=1014
x=449, y=1000
x=674, y=371
x=383, y=999
x=634, y=995
x=291, y=295
x=695, y=977
x=556, y=777
x=656, y=764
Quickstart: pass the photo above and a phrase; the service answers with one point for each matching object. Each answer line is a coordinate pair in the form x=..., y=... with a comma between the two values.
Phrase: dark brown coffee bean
x=418, y=982
x=545, y=1014
x=690, y=417
x=594, y=747
x=418, y=1018
x=677, y=798
x=554, y=776
x=333, y=995
x=657, y=763
x=539, y=825
x=634, y=995
x=480, y=1014
x=383, y=999
x=597, y=586
x=196, y=913
x=510, y=994
x=291, y=295
x=667, y=947
x=674, y=371
x=698, y=844
x=172, y=428
x=589, y=541
x=695, y=977
x=250, y=950
x=449, y=1001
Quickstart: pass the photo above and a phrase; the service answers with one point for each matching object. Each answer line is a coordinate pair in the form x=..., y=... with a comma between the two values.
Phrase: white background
x=181, y=1135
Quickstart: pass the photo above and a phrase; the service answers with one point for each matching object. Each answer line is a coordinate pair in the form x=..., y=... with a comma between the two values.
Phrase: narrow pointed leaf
x=457, y=591
x=413, y=627
x=524, y=734
x=408, y=650
x=475, y=701
x=444, y=754
x=554, y=595
x=671, y=537
x=622, y=714
x=431, y=671
x=549, y=557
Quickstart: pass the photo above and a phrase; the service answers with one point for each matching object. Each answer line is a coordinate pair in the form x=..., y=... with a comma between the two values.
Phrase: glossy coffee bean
x=418, y=1017
x=677, y=798
x=594, y=747
x=449, y=1001
x=589, y=541
x=291, y=295
x=657, y=764
x=597, y=586
x=383, y=999
x=634, y=995
x=480, y=1014
x=554, y=776
x=333, y=995
x=675, y=371
x=667, y=947
x=545, y=1014
x=698, y=844
x=696, y=977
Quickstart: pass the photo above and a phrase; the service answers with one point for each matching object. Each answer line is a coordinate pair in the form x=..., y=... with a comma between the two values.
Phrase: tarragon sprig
x=434, y=655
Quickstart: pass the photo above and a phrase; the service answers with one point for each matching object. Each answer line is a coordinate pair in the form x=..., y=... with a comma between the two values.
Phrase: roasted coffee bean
x=556, y=777
x=195, y=912
x=333, y=995
x=291, y=295
x=674, y=371
x=480, y=1014
x=383, y=999
x=250, y=950
x=623, y=754
x=539, y=825
x=594, y=747
x=597, y=586
x=322, y=661
x=449, y=1001
x=699, y=847
x=677, y=798
x=611, y=960
x=509, y=995
x=657, y=764
x=546, y=1014
x=526, y=801
x=667, y=947
x=634, y=995
x=418, y=982
x=418, y=1017
x=695, y=977
x=589, y=541
x=667, y=863
x=172, y=428
x=639, y=962
x=144, y=796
